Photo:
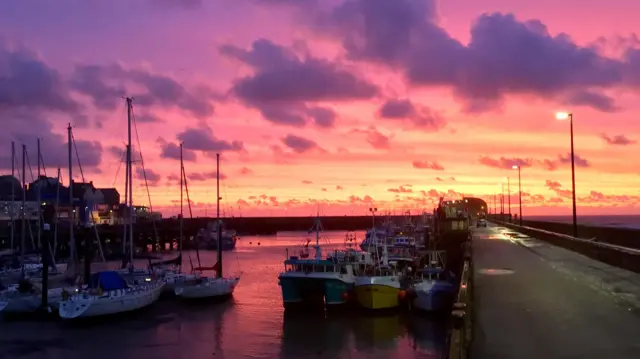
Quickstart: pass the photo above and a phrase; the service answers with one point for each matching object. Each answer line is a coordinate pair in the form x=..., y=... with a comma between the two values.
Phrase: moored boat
x=435, y=287
x=108, y=293
x=321, y=281
x=200, y=286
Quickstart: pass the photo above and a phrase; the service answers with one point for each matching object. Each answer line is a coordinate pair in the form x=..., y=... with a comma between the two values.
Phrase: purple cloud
x=617, y=140
x=418, y=116
x=202, y=139
x=283, y=83
x=299, y=144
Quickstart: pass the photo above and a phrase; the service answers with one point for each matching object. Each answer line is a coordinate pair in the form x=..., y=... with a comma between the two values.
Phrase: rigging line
x=144, y=173
x=93, y=221
x=44, y=169
x=29, y=166
x=122, y=159
x=33, y=241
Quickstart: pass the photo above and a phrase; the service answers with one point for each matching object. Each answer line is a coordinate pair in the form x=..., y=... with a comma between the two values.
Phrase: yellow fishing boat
x=378, y=292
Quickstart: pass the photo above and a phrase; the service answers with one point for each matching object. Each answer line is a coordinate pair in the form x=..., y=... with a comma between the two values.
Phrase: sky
x=341, y=105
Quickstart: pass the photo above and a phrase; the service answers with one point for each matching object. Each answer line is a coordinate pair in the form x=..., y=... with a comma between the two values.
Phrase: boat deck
x=535, y=300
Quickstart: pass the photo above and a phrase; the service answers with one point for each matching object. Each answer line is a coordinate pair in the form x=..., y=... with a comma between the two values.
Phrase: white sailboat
x=210, y=287
x=108, y=292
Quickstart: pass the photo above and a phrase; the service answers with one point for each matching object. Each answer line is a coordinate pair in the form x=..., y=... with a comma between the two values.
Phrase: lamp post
x=519, y=192
x=569, y=116
x=373, y=211
x=502, y=201
x=509, y=197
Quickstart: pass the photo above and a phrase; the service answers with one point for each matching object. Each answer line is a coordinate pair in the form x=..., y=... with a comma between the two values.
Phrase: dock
x=532, y=299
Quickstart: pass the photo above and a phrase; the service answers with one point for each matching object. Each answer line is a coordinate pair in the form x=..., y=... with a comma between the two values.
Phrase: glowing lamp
x=562, y=115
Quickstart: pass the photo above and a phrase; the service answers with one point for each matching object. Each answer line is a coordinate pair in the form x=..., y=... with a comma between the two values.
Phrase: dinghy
x=108, y=293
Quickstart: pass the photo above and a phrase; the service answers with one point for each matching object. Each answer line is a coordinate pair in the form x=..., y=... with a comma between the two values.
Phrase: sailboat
x=108, y=292
x=209, y=287
x=26, y=295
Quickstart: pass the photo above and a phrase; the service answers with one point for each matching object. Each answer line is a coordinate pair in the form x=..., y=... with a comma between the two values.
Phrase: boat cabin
x=294, y=264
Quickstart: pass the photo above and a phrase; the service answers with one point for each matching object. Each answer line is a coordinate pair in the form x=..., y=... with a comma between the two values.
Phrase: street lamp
x=569, y=116
x=509, y=197
x=373, y=211
x=519, y=191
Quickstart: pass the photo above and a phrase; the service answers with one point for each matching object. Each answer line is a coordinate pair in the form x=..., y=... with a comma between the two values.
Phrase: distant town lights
x=563, y=115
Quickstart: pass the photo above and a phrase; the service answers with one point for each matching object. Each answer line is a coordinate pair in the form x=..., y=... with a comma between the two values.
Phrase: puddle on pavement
x=495, y=271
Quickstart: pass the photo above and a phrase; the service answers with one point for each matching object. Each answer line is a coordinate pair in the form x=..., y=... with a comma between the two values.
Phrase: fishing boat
x=381, y=286
x=108, y=293
x=320, y=281
x=435, y=287
x=209, y=287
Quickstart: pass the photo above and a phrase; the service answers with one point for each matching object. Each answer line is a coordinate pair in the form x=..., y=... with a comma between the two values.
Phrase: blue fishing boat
x=435, y=286
x=320, y=281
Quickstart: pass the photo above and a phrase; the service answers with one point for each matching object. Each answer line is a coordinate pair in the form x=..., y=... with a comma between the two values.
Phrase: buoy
x=402, y=294
x=250, y=242
x=258, y=243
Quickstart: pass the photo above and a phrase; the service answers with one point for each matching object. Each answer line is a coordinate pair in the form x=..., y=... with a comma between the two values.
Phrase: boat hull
x=377, y=293
x=314, y=290
x=433, y=296
x=207, y=288
x=29, y=303
x=113, y=302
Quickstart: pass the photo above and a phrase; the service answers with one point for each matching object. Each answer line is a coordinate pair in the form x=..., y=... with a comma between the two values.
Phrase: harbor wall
x=626, y=237
x=605, y=247
x=463, y=313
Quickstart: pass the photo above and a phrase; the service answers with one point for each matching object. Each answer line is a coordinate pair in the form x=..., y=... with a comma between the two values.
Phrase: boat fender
x=402, y=294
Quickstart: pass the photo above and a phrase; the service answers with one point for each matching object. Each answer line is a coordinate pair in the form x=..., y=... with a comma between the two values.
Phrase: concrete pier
x=536, y=300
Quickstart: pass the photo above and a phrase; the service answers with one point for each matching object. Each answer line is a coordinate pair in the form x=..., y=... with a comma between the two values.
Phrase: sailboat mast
x=39, y=184
x=129, y=163
x=219, y=225
x=181, y=199
x=13, y=194
x=24, y=203
x=72, y=241
x=126, y=205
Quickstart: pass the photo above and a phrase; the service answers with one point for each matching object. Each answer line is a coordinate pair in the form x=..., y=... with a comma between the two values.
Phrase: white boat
x=14, y=301
x=209, y=287
x=108, y=293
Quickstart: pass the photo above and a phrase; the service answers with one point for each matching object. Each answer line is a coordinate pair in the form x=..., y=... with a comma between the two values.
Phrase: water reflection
x=314, y=336
x=249, y=325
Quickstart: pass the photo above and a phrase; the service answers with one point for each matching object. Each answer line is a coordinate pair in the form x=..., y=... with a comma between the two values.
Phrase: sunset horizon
x=329, y=105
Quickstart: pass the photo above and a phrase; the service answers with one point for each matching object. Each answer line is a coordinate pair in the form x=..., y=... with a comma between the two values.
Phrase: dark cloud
x=180, y=4
x=204, y=176
x=27, y=82
x=202, y=139
x=284, y=82
x=503, y=56
x=25, y=127
x=618, y=140
x=420, y=117
x=106, y=85
x=172, y=151
x=427, y=165
x=299, y=144
x=152, y=177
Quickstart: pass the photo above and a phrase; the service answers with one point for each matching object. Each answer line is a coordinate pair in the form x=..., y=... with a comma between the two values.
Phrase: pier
x=531, y=298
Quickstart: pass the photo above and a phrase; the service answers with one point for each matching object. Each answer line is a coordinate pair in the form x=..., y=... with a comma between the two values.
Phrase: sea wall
x=601, y=249
x=625, y=237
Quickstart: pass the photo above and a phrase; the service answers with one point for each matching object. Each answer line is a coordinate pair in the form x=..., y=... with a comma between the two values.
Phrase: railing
x=462, y=313
x=619, y=256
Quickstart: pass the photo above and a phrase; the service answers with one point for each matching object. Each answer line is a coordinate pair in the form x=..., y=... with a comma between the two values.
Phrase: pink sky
x=348, y=104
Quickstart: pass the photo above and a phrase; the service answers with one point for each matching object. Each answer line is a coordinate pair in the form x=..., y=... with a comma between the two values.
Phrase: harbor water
x=252, y=324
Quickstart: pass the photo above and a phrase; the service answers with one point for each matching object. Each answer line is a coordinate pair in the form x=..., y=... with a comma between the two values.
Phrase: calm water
x=251, y=325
